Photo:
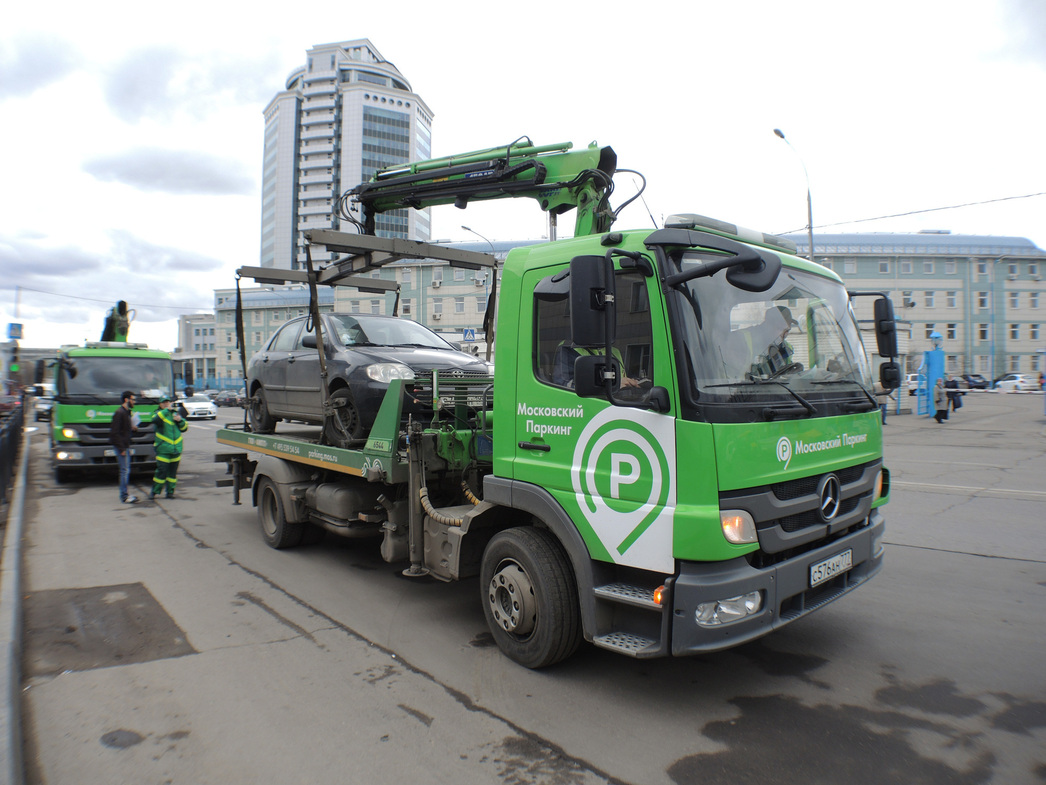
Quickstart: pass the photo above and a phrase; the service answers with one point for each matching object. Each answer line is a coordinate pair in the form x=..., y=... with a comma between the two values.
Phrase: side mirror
x=589, y=292
x=589, y=370
x=885, y=328
x=309, y=341
x=890, y=375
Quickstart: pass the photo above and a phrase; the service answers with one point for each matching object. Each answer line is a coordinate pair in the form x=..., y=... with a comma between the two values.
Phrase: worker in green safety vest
x=168, y=427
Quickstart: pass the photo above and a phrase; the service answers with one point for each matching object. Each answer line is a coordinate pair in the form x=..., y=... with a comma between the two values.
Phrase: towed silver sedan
x=363, y=354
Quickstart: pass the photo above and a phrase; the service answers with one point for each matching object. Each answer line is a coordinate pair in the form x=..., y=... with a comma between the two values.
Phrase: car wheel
x=344, y=428
x=530, y=597
x=261, y=420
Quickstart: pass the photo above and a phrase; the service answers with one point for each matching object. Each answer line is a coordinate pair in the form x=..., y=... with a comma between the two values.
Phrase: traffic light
x=13, y=365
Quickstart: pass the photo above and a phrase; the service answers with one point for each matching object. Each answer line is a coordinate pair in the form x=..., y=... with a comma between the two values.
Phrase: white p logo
x=784, y=450
x=618, y=462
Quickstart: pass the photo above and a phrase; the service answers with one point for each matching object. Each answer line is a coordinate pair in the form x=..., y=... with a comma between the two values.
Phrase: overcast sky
x=131, y=133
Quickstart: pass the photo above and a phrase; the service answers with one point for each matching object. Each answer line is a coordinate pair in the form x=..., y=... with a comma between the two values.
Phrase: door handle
x=532, y=446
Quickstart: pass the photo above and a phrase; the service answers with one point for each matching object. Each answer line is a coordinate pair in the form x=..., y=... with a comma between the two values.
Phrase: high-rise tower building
x=343, y=115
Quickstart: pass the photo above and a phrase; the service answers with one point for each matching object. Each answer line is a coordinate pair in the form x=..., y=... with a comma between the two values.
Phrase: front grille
x=803, y=520
x=804, y=486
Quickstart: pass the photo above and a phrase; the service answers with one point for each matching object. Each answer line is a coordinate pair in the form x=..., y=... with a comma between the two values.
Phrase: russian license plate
x=112, y=453
x=829, y=568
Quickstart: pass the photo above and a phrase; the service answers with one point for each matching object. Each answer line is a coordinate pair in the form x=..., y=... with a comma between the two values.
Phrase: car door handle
x=290, y=359
x=265, y=359
x=532, y=446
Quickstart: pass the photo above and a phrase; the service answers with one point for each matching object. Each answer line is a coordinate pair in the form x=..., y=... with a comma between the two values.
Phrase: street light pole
x=486, y=288
x=809, y=201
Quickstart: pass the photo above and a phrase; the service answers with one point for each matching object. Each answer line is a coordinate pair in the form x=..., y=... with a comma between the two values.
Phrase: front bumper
x=785, y=589
x=71, y=455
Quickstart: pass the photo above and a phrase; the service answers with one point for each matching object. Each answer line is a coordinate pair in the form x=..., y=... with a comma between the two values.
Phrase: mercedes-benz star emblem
x=831, y=495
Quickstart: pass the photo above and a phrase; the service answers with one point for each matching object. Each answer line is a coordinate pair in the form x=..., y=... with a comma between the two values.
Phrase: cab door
x=610, y=467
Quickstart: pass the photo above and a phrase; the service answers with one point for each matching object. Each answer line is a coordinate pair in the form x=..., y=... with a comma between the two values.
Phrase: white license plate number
x=829, y=568
x=112, y=453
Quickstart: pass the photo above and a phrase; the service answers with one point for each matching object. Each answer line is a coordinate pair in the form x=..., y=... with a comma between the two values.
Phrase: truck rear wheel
x=530, y=597
x=277, y=531
x=258, y=408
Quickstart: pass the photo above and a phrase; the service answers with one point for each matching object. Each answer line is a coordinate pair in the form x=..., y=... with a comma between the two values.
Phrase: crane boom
x=558, y=177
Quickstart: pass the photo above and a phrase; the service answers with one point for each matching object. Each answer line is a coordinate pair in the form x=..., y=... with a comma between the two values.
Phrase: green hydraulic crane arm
x=559, y=178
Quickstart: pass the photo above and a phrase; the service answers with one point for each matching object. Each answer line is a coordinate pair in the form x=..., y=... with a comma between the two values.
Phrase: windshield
x=795, y=345
x=102, y=380
x=353, y=330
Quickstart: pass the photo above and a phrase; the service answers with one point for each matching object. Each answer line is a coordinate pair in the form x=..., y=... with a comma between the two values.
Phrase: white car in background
x=1017, y=381
x=198, y=407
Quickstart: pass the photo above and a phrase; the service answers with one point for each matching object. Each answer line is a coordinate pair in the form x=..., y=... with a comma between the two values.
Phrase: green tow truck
x=679, y=449
x=88, y=382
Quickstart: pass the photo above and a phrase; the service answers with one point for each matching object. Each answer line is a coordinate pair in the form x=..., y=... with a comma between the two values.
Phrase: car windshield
x=103, y=379
x=360, y=330
x=198, y=398
x=797, y=343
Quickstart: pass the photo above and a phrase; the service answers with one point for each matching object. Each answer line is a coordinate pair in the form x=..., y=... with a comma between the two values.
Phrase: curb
x=12, y=770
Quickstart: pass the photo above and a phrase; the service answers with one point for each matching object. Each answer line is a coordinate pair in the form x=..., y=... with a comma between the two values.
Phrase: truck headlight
x=69, y=433
x=738, y=526
x=386, y=372
x=712, y=614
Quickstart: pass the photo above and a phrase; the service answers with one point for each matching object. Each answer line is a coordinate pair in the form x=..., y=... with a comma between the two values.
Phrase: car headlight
x=386, y=372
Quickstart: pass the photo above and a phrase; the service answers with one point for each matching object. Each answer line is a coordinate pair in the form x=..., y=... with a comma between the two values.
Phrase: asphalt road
x=167, y=643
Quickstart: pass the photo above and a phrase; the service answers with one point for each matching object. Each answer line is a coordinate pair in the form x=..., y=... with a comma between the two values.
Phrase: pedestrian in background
x=120, y=430
x=169, y=427
x=954, y=396
x=940, y=401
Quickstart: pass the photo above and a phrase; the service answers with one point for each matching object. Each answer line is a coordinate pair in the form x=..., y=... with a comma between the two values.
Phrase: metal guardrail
x=10, y=440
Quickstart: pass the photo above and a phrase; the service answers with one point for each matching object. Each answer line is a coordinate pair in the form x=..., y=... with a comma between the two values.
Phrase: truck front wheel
x=277, y=531
x=530, y=597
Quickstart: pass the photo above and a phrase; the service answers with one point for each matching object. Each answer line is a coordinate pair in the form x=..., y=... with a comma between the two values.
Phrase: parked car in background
x=974, y=381
x=212, y=394
x=8, y=403
x=198, y=407
x=912, y=382
x=364, y=353
x=1016, y=381
x=229, y=398
x=42, y=406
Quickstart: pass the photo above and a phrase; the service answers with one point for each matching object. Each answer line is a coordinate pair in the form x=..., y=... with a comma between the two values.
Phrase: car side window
x=286, y=337
x=301, y=337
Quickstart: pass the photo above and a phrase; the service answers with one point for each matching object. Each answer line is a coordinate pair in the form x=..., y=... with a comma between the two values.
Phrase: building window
x=1014, y=300
x=982, y=300
x=354, y=306
x=950, y=299
x=906, y=267
x=849, y=267
x=906, y=300
x=1033, y=299
x=1015, y=363
x=1013, y=269
x=459, y=305
x=196, y=332
x=481, y=305
x=1015, y=332
x=375, y=306
x=949, y=267
x=459, y=273
x=405, y=274
x=982, y=268
x=405, y=305
x=1033, y=268
x=928, y=299
x=927, y=268
x=982, y=332
x=437, y=305
x=1033, y=332
x=884, y=267
x=437, y=274
x=951, y=332
x=930, y=330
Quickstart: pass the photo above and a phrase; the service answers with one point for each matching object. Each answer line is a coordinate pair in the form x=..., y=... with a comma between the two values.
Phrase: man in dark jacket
x=120, y=431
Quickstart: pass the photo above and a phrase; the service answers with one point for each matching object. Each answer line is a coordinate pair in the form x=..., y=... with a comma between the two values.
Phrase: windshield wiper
x=855, y=407
x=771, y=410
